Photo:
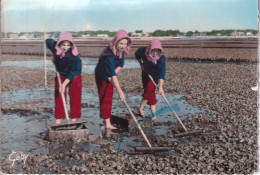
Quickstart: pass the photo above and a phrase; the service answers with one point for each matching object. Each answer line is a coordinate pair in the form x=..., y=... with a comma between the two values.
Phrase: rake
x=186, y=133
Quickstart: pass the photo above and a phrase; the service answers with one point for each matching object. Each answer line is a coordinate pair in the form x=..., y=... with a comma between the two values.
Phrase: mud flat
x=228, y=143
x=211, y=49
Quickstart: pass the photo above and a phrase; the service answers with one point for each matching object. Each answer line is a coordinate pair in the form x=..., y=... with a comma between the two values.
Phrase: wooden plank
x=68, y=123
x=145, y=149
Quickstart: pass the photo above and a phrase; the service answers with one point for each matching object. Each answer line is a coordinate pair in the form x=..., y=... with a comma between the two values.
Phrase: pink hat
x=66, y=36
x=120, y=34
x=154, y=44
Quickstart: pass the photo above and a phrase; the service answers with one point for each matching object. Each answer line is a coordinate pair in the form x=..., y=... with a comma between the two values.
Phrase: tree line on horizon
x=191, y=33
x=154, y=33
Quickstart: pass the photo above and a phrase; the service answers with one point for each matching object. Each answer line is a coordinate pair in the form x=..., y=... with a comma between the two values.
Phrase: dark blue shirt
x=107, y=64
x=155, y=70
x=69, y=66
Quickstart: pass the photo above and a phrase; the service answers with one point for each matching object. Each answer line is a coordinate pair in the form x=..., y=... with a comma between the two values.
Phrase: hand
x=109, y=79
x=121, y=96
x=161, y=91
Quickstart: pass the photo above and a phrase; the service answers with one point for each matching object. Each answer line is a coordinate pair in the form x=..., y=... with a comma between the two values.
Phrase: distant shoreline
x=147, y=38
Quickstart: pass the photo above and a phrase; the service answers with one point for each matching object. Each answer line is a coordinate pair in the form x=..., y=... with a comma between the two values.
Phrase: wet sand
x=228, y=143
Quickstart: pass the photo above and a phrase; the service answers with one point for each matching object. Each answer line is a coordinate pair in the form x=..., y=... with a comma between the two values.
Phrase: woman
x=111, y=61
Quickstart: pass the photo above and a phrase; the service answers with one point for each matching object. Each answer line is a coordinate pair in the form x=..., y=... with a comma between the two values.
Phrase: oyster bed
x=228, y=143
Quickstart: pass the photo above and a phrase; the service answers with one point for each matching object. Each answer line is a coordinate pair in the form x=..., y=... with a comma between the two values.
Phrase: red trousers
x=105, y=94
x=75, y=91
x=149, y=89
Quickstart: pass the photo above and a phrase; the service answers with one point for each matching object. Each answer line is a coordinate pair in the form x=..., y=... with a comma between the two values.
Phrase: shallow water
x=125, y=143
x=20, y=133
x=88, y=64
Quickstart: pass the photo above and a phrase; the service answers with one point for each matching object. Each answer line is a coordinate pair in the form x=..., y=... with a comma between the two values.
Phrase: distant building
x=102, y=35
x=23, y=37
x=240, y=33
x=145, y=34
x=136, y=34
x=249, y=34
x=85, y=35
x=27, y=36
x=236, y=33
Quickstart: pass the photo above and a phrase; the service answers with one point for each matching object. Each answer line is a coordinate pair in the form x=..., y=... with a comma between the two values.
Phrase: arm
x=162, y=70
x=121, y=65
x=63, y=85
x=110, y=67
x=118, y=88
x=141, y=64
x=116, y=83
x=75, y=69
x=50, y=43
x=161, y=91
x=113, y=78
x=162, y=67
x=117, y=70
x=138, y=55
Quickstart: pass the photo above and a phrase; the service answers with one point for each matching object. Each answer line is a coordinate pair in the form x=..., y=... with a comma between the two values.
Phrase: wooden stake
x=45, y=61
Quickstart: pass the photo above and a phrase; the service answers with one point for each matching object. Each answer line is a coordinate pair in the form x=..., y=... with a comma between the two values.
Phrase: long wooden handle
x=45, y=60
x=142, y=132
x=174, y=113
x=63, y=98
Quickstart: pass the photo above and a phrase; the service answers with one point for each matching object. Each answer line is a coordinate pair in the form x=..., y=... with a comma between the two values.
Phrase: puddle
x=27, y=95
x=127, y=143
x=20, y=132
x=88, y=64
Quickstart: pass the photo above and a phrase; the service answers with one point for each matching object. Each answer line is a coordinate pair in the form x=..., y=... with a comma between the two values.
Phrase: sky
x=130, y=15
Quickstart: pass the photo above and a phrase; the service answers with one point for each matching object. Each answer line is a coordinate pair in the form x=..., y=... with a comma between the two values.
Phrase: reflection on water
x=88, y=64
x=20, y=132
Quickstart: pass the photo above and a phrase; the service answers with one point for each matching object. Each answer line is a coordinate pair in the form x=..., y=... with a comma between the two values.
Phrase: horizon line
x=130, y=31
